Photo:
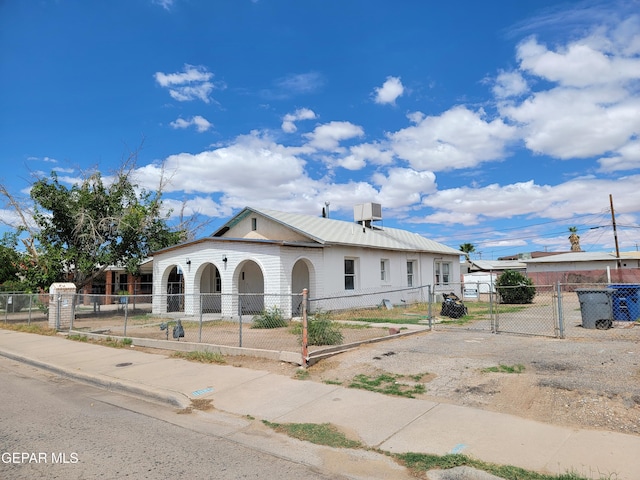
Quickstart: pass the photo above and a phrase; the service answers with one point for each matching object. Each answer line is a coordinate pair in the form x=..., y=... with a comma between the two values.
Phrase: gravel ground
x=585, y=383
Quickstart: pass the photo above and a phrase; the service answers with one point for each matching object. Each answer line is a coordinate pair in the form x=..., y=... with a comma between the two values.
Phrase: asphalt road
x=53, y=428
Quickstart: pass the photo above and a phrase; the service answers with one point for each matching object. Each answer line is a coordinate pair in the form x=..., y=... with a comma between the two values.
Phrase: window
x=349, y=274
x=443, y=272
x=384, y=270
x=410, y=274
x=254, y=224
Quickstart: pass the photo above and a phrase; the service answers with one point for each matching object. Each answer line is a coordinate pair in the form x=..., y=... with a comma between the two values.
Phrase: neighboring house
x=484, y=273
x=584, y=267
x=115, y=280
x=527, y=255
x=496, y=266
x=275, y=255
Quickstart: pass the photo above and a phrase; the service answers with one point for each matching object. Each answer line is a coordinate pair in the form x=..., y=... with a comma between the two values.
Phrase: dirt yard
x=587, y=383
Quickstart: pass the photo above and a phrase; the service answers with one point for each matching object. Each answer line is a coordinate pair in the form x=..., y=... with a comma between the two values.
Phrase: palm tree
x=467, y=248
x=574, y=239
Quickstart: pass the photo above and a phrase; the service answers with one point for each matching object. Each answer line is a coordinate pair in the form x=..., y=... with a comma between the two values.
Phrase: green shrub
x=514, y=287
x=269, y=318
x=321, y=330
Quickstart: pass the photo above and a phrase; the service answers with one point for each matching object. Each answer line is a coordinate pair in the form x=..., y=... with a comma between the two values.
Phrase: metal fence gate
x=605, y=311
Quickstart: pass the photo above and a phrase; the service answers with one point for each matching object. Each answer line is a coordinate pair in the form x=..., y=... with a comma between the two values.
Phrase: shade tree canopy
x=75, y=232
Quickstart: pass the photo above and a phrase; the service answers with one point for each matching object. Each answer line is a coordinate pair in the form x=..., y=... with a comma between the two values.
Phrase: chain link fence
x=275, y=322
x=604, y=311
x=467, y=306
x=18, y=307
x=599, y=310
x=252, y=322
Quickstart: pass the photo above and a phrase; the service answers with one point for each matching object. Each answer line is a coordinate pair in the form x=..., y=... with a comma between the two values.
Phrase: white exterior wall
x=266, y=229
x=368, y=274
x=276, y=262
x=483, y=282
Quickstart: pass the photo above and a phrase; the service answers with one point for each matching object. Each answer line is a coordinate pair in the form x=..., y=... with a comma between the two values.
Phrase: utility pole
x=615, y=232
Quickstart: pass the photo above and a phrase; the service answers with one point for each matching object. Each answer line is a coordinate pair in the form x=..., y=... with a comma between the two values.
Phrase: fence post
x=429, y=308
x=30, y=307
x=126, y=313
x=73, y=311
x=200, y=328
x=240, y=320
x=493, y=308
x=58, y=302
x=560, y=313
x=305, y=340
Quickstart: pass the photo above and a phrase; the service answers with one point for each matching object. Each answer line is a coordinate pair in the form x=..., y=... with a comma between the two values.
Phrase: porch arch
x=208, y=287
x=249, y=283
x=173, y=285
x=301, y=276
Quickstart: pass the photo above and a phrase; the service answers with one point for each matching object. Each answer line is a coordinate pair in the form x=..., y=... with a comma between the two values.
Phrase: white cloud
x=296, y=84
x=390, y=90
x=579, y=64
x=201, y=123
x=403, y=187
x=251, y=171
x=625, y=158
x=288, y=122
x=577, y=123
x=63, y=170
x=11, y=218
x=343, y=196
x=361, y=155
x=166, y=4
x=329, y=135
x=198, y=205
x=510, y=84
x=193, y=83
x=585, y=195
x=589, y=105
x=415, y=117
x=503, y=243
x=459, y=138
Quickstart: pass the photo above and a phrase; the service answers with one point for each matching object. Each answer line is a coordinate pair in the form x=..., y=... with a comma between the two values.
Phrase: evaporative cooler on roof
x=365, y=213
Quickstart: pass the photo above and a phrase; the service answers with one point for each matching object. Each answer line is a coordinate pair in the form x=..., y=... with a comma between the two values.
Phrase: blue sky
x=499, y=123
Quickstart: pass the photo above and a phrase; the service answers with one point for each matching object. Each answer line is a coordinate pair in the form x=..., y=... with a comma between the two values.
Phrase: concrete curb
x=171, y=398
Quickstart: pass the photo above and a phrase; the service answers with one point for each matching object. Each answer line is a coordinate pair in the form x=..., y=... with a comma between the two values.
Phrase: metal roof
x=490, y=265
x=574, y=257
x=328, y=231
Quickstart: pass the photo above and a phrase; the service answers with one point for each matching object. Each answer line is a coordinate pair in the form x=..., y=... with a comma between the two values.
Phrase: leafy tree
x=74, y=233
x=93, y=224
x=467, y=248
x=514, y=287
x=9, y=259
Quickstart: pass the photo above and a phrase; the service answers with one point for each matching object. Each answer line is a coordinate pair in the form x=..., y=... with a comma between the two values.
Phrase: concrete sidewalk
x=390, y=423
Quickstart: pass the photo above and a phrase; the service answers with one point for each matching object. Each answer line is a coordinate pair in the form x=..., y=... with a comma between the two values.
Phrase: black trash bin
x=624, y=301
x=596, y=307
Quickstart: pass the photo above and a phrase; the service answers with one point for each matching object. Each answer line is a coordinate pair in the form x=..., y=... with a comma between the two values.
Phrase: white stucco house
x=269, y=257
